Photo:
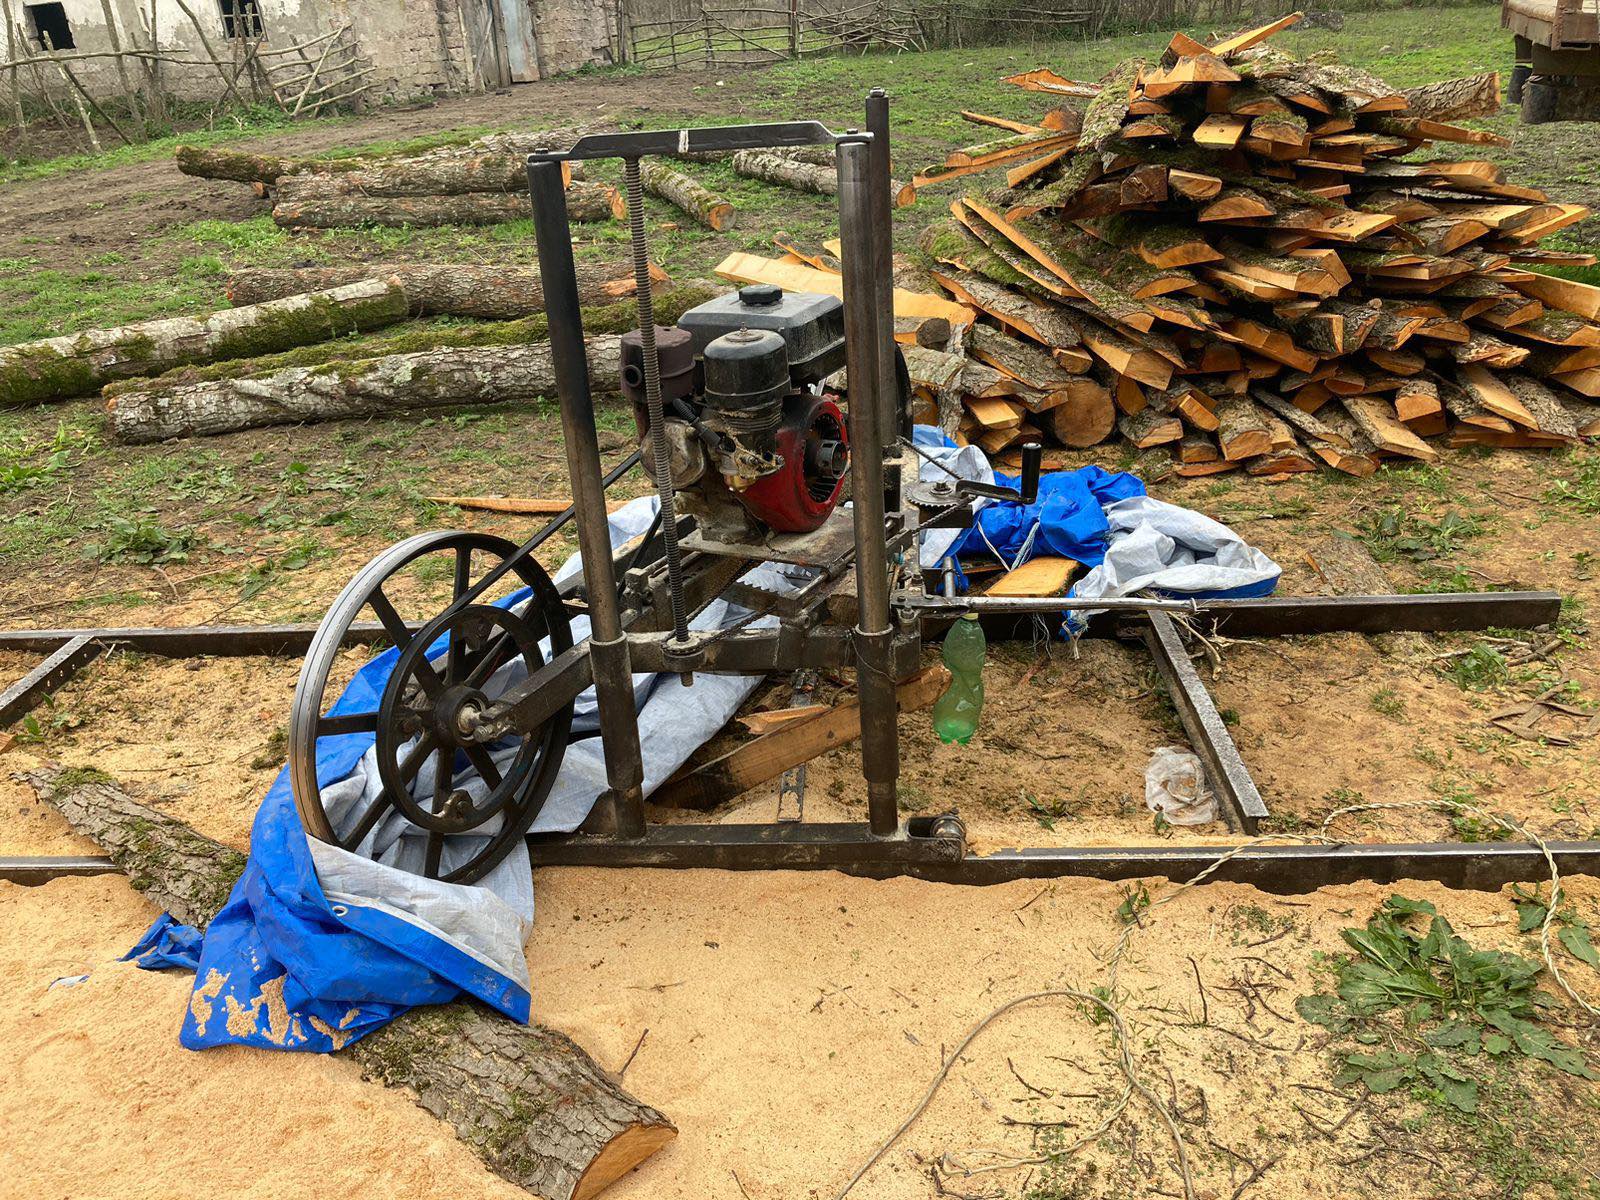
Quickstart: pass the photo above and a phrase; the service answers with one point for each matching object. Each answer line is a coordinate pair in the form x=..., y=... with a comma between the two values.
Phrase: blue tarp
x=1066, y=520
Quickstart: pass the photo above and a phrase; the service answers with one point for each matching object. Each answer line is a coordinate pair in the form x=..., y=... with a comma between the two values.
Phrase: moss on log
x=686, y=194
x=618, y=317
x=60, y=368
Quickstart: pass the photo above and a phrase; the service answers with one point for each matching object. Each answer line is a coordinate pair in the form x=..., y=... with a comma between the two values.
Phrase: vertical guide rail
x=608, y=645
x=880, y=750
x=660, y=462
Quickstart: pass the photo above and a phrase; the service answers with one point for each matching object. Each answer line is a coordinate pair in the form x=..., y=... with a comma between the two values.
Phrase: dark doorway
x=242, y=19
x=50, y=26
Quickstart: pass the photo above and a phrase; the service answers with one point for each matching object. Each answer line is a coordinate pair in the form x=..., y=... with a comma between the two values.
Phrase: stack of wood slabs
x=1261, y=264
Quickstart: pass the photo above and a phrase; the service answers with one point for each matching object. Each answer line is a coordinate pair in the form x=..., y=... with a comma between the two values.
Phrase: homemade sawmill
x=752, y=454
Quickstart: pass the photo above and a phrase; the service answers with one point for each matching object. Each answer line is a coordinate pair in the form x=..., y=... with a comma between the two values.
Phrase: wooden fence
x=693, y=33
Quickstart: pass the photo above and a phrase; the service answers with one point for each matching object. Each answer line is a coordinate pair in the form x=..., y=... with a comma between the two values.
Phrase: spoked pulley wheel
x=433, y=765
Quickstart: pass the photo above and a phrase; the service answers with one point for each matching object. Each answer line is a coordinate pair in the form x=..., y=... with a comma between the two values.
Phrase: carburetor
x=756, y=444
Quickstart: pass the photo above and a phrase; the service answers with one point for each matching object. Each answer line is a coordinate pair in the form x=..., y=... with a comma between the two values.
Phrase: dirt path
x=139, y=200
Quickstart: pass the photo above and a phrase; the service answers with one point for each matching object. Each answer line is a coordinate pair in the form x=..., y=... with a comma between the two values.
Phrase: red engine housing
x=798, y=496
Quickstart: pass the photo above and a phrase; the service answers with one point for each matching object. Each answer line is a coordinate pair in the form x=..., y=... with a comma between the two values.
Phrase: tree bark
x=537, y=1109
x=687, y=194
x=439, y=378
x=1456, y=99
x=326, y=202
x=493, y=293
x=212, y=162
x=78, y=364
x=789, y=172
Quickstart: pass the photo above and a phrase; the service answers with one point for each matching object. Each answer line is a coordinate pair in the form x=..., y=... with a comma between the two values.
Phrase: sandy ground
x=787, y=1022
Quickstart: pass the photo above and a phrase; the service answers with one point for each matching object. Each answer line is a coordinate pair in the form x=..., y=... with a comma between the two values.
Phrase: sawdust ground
x=787, y=1022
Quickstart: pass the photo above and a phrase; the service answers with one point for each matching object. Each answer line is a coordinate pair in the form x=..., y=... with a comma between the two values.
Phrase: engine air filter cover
x=747, y=375
x=811, y=325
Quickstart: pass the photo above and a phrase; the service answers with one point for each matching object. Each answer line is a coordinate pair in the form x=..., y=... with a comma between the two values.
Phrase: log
x=500, y=292
x=1083, y=415
x=618, y=316
x=324, y=202
x=685, y=193
x=78, y=364
x=440, y=378
x=430, y=175
x=527, y=1099
x=442, y=172
x=787, y=172
x=215, y=162
x=1455, y=99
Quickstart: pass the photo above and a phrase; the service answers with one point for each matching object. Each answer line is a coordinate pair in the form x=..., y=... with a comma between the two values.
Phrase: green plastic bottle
x=956, y=713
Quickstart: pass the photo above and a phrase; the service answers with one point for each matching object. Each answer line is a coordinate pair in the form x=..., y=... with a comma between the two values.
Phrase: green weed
x=142, y=539
x=1422, y=1004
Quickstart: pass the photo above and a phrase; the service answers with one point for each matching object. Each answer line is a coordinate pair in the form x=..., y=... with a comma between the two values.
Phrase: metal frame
x=630, y=631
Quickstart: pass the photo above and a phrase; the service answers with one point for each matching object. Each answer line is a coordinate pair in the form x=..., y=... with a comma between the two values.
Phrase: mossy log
x=428, y=379
x=496, y=292
x=618, y=316
x=537, y=1109
x=78, y=364
x=687, y=194
x=328, y=202
x=435, y=175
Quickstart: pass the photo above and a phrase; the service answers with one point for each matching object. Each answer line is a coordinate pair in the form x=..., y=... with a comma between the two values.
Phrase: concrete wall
x=415, y=47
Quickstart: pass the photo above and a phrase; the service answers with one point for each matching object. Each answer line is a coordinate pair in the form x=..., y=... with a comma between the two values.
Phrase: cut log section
x=527, y=1099
x=78, y=364
x=772, y=167
x=1082, y=413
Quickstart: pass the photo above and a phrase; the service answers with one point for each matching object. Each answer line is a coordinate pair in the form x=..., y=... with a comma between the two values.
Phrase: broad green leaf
x=1575, y=938
x=1530, y=915
x=1321, y=1010
x=1455, y=1035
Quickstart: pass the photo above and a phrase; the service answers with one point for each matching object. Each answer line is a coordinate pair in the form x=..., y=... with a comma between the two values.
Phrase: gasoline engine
x=756, y=444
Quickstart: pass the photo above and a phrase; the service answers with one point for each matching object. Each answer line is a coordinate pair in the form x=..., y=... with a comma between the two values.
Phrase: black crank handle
x=1032, y=460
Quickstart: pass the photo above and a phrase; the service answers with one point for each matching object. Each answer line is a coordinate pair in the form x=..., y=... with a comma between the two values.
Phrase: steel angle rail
x=1283, y=870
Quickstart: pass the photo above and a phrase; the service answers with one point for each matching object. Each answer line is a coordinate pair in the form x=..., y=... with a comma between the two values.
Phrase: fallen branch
x=537, y=1109
x=78, y=364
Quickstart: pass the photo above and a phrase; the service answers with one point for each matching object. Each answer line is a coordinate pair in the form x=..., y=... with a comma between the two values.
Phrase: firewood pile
x=1236, y=256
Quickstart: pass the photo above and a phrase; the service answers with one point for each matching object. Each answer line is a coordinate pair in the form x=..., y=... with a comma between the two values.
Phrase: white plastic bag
x=1174, y=785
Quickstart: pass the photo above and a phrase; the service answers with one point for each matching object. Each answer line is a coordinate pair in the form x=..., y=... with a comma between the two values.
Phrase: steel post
x=608, y=647
x=896, y=417
x=880, y=749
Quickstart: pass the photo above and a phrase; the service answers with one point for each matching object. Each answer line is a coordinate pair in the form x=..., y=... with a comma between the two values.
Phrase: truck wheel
x=1538, y=101
x=1519, y=76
